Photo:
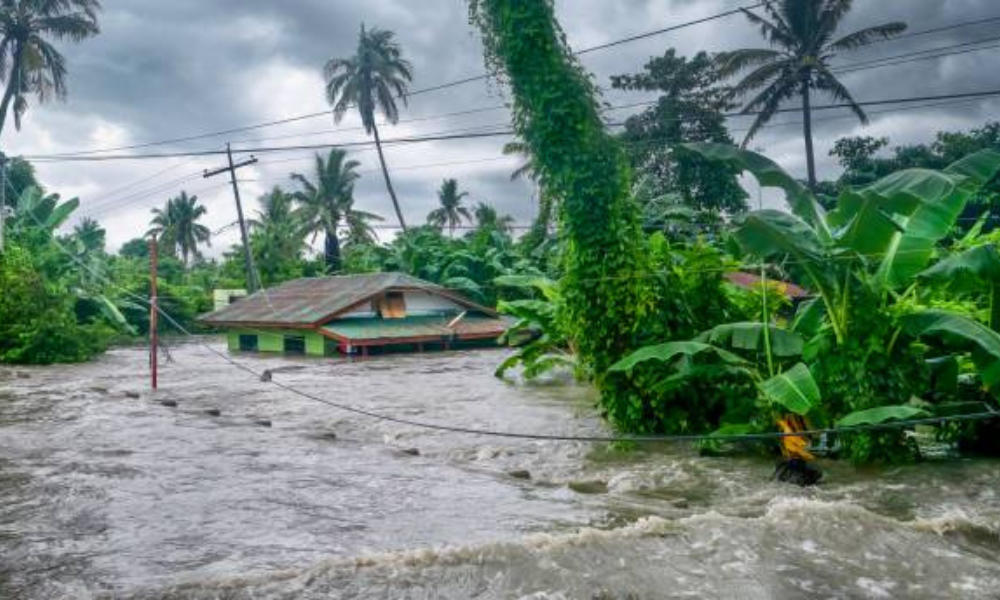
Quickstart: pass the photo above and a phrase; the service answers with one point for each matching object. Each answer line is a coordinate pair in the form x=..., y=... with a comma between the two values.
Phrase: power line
x=438, y=138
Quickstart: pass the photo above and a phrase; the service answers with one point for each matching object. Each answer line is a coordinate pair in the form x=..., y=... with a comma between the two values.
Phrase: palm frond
x=867, y=36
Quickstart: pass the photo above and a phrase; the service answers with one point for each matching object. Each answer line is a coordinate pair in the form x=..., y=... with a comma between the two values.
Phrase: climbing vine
x=608, y=293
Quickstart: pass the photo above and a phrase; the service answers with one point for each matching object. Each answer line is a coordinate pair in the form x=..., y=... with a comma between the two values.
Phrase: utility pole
x=154, y=316
x=252, y=282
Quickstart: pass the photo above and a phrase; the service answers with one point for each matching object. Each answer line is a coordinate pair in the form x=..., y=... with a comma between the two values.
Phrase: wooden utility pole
x=252, y=282
x=154, y=316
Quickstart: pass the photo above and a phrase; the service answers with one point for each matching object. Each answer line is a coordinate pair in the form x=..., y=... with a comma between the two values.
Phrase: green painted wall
x=274, y=341
x=315, y=344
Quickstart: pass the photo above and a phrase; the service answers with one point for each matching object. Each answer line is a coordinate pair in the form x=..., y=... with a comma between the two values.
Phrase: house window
x=248, y=343
x=392, y=305
x=295, y=344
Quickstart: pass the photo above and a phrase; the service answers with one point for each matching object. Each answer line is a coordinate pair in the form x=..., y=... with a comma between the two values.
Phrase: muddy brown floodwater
x=106, y=493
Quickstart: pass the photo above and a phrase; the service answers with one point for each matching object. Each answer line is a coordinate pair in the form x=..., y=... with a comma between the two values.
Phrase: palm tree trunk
x=8, y=94
x=331, y=252
x=388, y=182
x=807, y=132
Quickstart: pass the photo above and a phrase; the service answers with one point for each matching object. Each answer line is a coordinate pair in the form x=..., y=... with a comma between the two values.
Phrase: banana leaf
x=671, y=350
x=980, y=263
x=795, y=390
x=543, y=284
x=750, y=336
x=801, y=202
x=767, y=233
x=959, y=333
x=881, y=414
x=978, y=168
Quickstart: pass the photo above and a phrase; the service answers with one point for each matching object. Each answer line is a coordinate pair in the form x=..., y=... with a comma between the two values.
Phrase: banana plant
x=540, y=342
x=867, y=253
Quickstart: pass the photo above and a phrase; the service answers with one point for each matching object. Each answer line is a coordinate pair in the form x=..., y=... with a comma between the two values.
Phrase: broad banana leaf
x=766, y=233
x=671, y=350
x=795, y=390
x=956, y=332
x=750, y=336
x=464, y=285
x=809, y=318
x=881, y=414
x=800, y=200
x=980, y=264
x=544, y=285
x=979, y=168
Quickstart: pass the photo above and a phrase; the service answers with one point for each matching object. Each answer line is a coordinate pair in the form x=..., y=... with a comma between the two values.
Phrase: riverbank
x=102, y=492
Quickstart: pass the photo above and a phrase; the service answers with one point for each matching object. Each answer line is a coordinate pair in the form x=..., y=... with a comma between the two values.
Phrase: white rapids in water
x=109, y=493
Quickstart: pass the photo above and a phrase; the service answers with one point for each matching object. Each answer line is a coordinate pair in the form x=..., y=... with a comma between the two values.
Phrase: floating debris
x=213, y=412
x=411, y=451
x=519, y=474
x=263, y=422
x=132, y=394
x=169, y=403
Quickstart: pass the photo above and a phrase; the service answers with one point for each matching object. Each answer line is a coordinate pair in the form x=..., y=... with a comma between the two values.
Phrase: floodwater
x=105, y=492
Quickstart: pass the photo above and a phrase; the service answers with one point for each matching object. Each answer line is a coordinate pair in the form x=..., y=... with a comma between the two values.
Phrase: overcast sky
x=162, y=70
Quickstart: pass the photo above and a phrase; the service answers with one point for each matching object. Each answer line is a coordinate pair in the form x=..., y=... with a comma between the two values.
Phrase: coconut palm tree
x=277, y=237
x=801, y=33
x=178, y=229
x=450, y=212
x=371, y=81
x=488, y=219
x=91, y=235
x=29, y=63
x=327, y=202
x=527, y=168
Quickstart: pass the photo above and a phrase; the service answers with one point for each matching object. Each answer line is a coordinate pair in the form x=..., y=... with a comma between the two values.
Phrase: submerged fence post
x=153, y=315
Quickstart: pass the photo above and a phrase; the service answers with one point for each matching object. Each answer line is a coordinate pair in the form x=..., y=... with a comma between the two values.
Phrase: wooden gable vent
x=392, y=305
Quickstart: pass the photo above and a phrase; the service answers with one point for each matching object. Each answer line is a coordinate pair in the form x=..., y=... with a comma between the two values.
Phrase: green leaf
x=767, y=233
x=795, y=390
x=881, y=414
x=802, y=203
x=979, y=263
x=750, y=336
x=979, y=168
x=671, y=350
x=542, y=284
x=956, y=332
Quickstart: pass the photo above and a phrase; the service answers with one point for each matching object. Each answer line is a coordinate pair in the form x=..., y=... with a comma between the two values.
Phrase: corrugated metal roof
x=308, y=301
x=356, y=329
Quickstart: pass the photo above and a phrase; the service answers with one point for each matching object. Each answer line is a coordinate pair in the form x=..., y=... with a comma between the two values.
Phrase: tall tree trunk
x=331, y=252
x=388, y=182
x=12, y=82
x=807, y=132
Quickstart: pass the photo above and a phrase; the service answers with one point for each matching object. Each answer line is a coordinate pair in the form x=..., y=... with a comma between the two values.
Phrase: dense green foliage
x=690, y=109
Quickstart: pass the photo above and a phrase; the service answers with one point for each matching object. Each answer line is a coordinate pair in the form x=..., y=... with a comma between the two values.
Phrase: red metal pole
x=153, y=314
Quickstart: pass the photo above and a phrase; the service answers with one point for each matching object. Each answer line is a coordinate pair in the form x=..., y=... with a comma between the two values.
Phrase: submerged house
x=355, y=314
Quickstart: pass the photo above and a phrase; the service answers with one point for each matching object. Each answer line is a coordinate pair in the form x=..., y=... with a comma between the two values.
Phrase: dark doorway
x=295, y=344
x=248, y=343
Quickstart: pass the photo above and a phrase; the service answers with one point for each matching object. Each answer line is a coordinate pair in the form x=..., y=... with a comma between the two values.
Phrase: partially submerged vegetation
x=622, y=278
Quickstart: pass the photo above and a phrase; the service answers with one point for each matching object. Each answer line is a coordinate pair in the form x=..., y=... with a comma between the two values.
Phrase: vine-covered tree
x=801, y=34
x=178, y=229
x=689, y=109
x=556, y=114
x=30, y=64
x=450, y=213
x=371, y=81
